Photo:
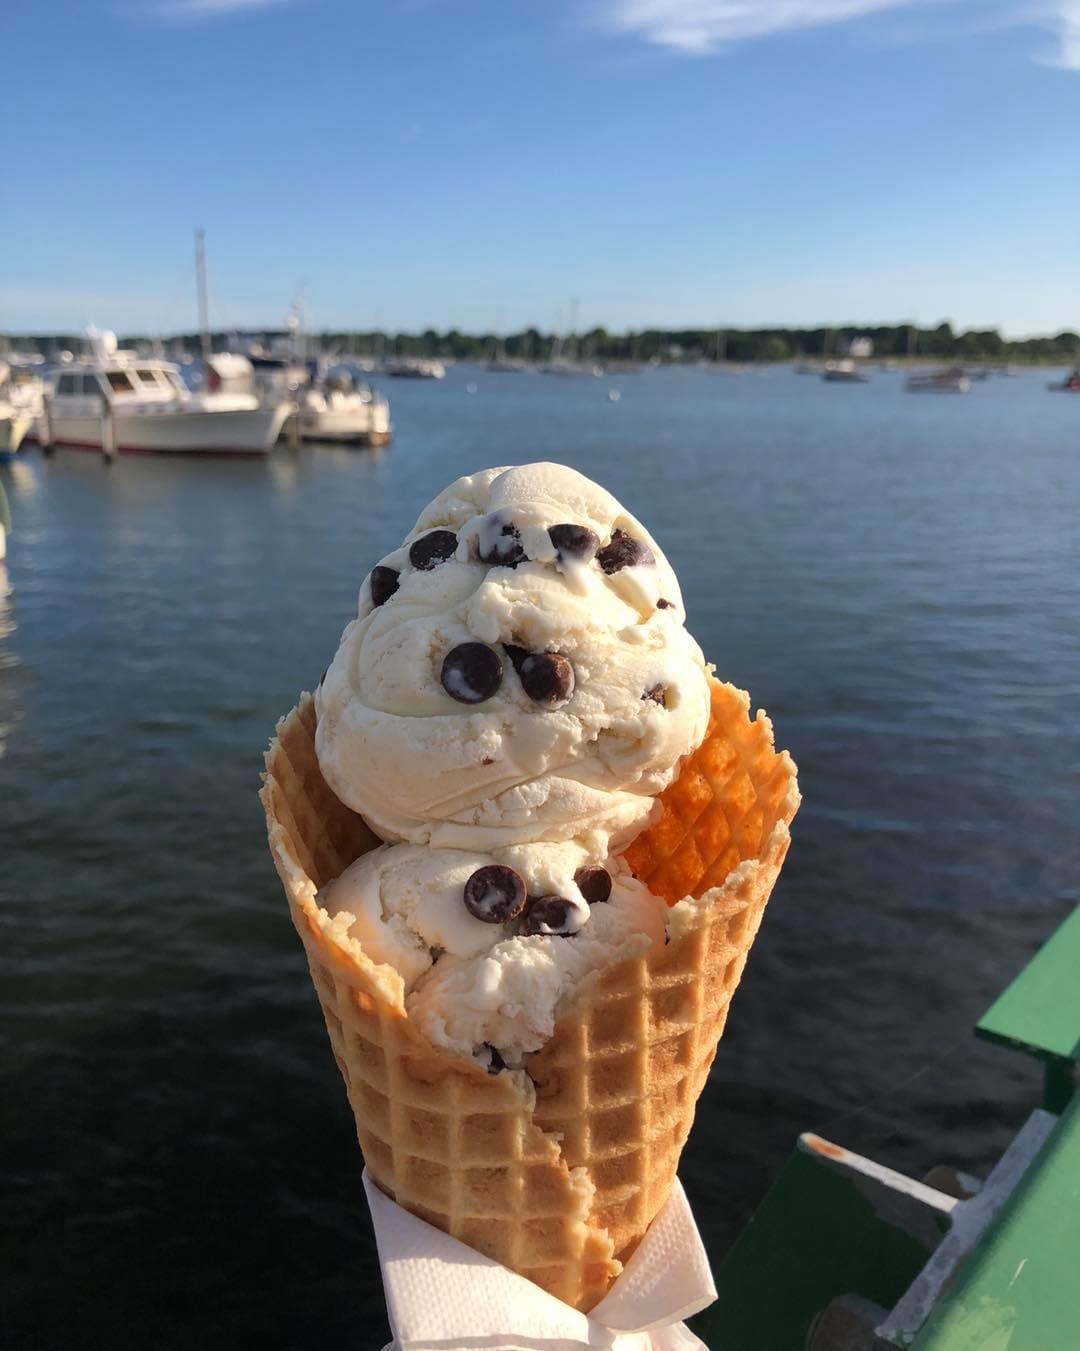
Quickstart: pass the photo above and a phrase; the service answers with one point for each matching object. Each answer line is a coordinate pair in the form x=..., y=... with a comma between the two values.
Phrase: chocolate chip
x=623, y=552
x=547, y=678
x=430, y=550
x=471, y=673
x=574, y=541
x=496, y=1064
x=384, y=582
x=516, y=654
x=495, y=894
x=663, y=604
x=488, y=760
x=504, y=550
x=594, y=884
x=658, y=694
x=553, y=915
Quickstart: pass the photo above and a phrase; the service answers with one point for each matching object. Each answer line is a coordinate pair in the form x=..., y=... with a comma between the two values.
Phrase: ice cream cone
x=557, y=1171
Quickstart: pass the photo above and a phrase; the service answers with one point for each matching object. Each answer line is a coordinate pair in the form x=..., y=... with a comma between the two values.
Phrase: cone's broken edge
x=556, y=1172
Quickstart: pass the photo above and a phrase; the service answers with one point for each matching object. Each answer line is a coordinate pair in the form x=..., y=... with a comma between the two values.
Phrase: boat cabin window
x=66, y=384
x=120, y=382
x=149, y=377
x=90, y=385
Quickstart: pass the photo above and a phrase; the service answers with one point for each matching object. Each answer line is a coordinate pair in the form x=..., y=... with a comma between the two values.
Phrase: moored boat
x=115, y=402
x=337, y=408
x=562, y=367
x=844, y=372
x=414, y=368
x=21, y=391
x=1070, y=385
x=954, y=380
x=14, y=425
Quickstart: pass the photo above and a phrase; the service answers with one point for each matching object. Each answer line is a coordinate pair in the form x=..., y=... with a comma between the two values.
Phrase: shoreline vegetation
x=897, y=342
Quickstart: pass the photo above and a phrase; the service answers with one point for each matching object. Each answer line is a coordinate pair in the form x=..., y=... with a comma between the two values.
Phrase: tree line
x=940, y=343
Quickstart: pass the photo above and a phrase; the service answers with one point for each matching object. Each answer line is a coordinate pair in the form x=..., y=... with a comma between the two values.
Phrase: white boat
x=326, y=404
x=272, y=377
x=563, y=367
x=843, y=371
x=21, y=401
x=14, y=424
x=336, y=408
x=117, y=402
x=952, y=381
x=414, y=368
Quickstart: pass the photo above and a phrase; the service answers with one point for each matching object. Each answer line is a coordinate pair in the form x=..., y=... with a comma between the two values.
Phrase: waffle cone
x=555, y=1172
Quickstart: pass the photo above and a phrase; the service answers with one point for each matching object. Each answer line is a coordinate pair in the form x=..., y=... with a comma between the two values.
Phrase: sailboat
x=564, y=354
x=500, y=362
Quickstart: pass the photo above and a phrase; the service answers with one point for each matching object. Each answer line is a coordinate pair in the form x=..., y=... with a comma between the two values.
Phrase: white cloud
x=1068, y=29
x=698, y=27
x=182, y=10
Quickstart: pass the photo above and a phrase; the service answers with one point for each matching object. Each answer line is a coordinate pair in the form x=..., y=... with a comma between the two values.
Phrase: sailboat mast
x=200, y=283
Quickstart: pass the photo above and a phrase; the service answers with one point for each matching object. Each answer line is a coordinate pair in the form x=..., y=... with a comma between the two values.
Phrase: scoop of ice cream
x=408, y=904
x=504, y=1002
x=492, y=986
x=518, y=672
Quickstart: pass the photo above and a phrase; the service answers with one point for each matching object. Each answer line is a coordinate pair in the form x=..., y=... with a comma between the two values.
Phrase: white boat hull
x=189, y=432
x=13, y=430
x=353, y=425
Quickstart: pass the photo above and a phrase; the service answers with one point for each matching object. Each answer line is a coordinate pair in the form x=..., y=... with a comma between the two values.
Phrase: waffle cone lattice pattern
x=558, y=1174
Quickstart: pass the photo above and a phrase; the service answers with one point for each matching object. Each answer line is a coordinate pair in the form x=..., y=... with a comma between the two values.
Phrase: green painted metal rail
x=1039, y=1013
x=1020, y=1291
x=841, y=1235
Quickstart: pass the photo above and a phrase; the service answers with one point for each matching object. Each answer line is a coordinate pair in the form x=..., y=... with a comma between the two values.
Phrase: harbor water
x=895, y=579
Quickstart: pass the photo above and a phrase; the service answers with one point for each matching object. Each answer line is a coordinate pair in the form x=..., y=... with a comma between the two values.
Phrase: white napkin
x=444, y=1296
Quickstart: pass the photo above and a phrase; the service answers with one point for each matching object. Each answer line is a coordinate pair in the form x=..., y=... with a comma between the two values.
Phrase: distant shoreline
x=905, y=344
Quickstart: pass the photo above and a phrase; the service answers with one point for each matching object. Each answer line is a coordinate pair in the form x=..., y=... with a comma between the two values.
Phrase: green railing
x=846, y=1255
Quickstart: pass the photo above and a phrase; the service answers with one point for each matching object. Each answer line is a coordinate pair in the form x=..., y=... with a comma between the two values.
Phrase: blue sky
x=481, y=162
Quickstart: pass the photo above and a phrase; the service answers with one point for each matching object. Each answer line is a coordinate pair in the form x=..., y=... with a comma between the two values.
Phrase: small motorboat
x=1070, y=385
x=955, y=380
x=414, y=368
x=338, y=408
x=844, y=372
